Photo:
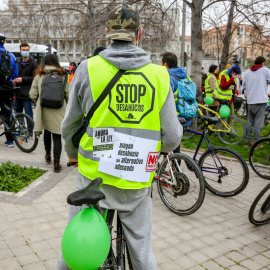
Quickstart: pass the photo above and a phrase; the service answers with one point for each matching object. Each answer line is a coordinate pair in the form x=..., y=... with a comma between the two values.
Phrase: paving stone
x=236, y=256
x=39, y=246
x=27, y=259
x=35, y=266
x=257, y=247
x=48, y=254
x=251, y=264
x=212, y=265
x=9, y=264
x=198, y=256
x=262, y=260
x=5, y=253
x=224, y=261
x=19, y=251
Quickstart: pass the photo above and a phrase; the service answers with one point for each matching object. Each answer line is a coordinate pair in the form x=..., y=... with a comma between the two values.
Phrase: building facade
x=246, y=42
x=75, y=30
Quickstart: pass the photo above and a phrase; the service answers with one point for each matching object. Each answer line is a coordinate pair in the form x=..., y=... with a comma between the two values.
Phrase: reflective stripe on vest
x=132, y=108
x=224, y=94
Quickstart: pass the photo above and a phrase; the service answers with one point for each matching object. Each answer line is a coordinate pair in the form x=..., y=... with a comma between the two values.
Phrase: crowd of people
x=140, y=108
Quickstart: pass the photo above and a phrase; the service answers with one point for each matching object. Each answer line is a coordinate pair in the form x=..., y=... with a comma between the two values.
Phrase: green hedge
x=14, y=178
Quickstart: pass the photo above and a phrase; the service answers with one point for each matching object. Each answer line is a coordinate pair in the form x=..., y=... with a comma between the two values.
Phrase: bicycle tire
x=242, y=111
x=189, y=192
x=217, y=186
x=193, y=126
x=262, y=210
x=120, y=246
x=128, y=258
x=255, y=154
x=237, y=134
x=20, y=126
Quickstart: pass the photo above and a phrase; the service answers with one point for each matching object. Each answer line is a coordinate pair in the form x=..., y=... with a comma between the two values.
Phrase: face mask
x=216, y=71
x=70, y=68
x=25, y=54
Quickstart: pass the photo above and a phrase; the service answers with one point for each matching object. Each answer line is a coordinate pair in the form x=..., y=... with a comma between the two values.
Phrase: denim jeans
x=21, y=104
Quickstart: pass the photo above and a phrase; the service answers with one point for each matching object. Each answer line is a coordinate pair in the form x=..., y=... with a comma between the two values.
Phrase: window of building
x=78, y=56
x=267, y=54
x=70, y=55
x=78, y=46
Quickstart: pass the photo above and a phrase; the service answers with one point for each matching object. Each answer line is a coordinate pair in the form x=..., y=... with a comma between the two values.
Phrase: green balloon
x=86, y=241
x=224, y=111
x=209, y=100
x=268, y=101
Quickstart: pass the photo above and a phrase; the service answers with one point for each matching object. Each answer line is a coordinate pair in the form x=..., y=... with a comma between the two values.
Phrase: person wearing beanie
x=255, y=81
x=227, y=85
x=139, y=110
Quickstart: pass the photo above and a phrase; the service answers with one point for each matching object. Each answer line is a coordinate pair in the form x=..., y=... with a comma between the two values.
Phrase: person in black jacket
x=26, y=66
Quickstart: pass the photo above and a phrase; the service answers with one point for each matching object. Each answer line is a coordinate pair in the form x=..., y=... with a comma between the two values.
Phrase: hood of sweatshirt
x=256, y=67
x=179, y=72
x=125, y=55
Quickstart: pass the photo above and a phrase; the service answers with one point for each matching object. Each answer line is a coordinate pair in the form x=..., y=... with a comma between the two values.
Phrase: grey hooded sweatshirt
x=125, y=56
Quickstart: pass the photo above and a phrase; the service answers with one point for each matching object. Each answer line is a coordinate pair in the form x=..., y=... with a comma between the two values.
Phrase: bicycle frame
x=211, y=127
x=209, y=146
x=173, y=182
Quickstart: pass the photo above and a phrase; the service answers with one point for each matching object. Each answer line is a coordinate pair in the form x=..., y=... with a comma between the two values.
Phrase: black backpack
x=5, y=67
x=52, y=91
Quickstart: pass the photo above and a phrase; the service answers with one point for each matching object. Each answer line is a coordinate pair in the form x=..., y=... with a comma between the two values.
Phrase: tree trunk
x=196, y=46
x=227, y=38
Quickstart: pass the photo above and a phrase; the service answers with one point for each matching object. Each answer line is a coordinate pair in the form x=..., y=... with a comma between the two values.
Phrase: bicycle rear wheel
x=259, y=212
x=237, y=133
x=192, y=126
x=23, y=132
x=187, y=195
x=259, y=157
x=225, y=172
x=240, y=108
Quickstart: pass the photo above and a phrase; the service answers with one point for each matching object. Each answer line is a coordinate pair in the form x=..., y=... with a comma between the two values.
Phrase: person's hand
x=18, y=80
x=73, y=160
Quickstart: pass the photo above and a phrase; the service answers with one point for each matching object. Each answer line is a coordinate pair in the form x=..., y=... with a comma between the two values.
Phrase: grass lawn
x=14, y=178
x=243, y=151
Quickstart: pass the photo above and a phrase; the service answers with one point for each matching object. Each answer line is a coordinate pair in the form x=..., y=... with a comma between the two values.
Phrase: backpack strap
x=175, y=77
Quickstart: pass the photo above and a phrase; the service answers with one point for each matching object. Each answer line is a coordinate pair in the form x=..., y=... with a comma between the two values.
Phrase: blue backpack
x=186, y=105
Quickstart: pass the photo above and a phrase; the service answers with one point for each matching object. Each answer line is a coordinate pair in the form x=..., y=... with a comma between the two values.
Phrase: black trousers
x=6, y=96
x=57, y=144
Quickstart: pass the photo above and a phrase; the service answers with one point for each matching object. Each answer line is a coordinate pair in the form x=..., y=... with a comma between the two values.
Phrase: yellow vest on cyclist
x=224, y=94
x=207, y=87
x=129, y=118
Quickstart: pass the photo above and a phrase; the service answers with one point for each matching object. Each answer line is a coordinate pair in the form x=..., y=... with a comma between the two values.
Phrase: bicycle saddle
x=222, y=101
x=210, y=120
x=182, y=120
x=88, y=195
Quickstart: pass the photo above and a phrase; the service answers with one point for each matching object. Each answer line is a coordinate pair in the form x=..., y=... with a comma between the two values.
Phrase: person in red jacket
x=227, y=81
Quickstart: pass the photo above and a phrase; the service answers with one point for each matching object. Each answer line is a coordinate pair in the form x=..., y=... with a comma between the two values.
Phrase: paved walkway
x=217, y=236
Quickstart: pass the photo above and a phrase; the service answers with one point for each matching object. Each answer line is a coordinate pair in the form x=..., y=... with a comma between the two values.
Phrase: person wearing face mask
x=72, y=69
x=211, y=85
x=27, y=66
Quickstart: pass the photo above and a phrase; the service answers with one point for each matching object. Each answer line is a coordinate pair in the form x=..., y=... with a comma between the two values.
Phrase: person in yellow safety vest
x=122, y=142
x=211, y=85
x=227, y=85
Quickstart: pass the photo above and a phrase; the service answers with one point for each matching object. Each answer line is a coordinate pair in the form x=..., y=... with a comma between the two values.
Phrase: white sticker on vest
x=129, y=158
x=103, y=142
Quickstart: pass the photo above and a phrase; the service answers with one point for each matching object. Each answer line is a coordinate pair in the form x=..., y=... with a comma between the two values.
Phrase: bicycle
x=259, y=212
x=230, y=130
x=259, y=157
x=180, y=183
x=21, y=127
x=240, y=106
x=220, y=165
x=90, y=196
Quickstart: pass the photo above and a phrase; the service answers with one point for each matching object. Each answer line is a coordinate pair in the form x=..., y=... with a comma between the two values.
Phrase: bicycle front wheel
x=237, y=133
x=186, y=195
x=259, y=157
x=259, y=212
x=241, y=110
x=225, y=172
x=23, y=132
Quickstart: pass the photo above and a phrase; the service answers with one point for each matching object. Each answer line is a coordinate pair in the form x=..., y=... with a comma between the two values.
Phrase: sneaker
x=259, y=146
x=9, y=144
x=249, y=144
